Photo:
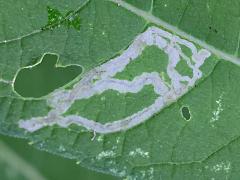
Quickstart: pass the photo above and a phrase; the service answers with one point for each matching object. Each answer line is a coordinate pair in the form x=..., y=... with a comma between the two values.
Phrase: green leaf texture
x=22, y=162
x=180, y=56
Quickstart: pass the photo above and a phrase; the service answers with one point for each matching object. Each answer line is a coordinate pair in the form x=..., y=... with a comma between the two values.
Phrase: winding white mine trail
x=102, y=78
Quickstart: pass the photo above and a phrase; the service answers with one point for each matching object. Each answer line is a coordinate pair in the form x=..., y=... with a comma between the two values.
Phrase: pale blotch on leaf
x=139, y=152
x=61, y=101
x=105, y=154
x=216, y=113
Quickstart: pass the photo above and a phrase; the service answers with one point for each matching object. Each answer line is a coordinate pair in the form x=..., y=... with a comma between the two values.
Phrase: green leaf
x=157, y=94
x=22, y=162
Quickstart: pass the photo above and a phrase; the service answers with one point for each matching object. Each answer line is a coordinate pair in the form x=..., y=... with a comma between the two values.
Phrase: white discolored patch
x=118, y=140
x=216, y=113
x=106, y=154
x=222, y=166
x=139, y=152
x=101, y=79
x=148, y=174
x=116, y=171
x=100, y=138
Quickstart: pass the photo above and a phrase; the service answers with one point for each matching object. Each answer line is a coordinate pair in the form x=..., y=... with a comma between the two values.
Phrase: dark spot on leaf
x=45, y=77
x=186, y=113
x=213, y=29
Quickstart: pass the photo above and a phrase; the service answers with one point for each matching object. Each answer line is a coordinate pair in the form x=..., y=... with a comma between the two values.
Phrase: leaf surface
x=145, y=65
x=23, y=162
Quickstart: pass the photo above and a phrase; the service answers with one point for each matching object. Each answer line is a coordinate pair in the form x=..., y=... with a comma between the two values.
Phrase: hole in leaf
x=186, y=113
x=44, y=77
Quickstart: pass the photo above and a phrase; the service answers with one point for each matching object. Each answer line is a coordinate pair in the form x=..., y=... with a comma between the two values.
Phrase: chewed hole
x=186, y=113
x=44, y=77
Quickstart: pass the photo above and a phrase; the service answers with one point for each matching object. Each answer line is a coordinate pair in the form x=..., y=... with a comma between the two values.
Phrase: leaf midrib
x=155, y=20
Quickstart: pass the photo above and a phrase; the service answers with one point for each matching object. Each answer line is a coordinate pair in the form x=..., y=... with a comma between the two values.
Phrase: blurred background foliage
x=20, y=161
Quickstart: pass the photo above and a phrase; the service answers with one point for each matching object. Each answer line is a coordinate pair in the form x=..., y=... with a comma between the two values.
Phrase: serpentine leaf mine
x=102, y=78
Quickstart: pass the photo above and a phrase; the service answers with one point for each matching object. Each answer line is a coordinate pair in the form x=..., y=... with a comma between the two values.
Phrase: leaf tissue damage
x=44, y=77
x=186, y=113
x=102, y=78
x=56, y=19
x=174, y=59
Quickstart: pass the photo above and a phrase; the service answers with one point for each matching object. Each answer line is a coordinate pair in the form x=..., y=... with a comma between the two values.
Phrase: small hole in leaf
x=44, y=77
x=186, y=113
